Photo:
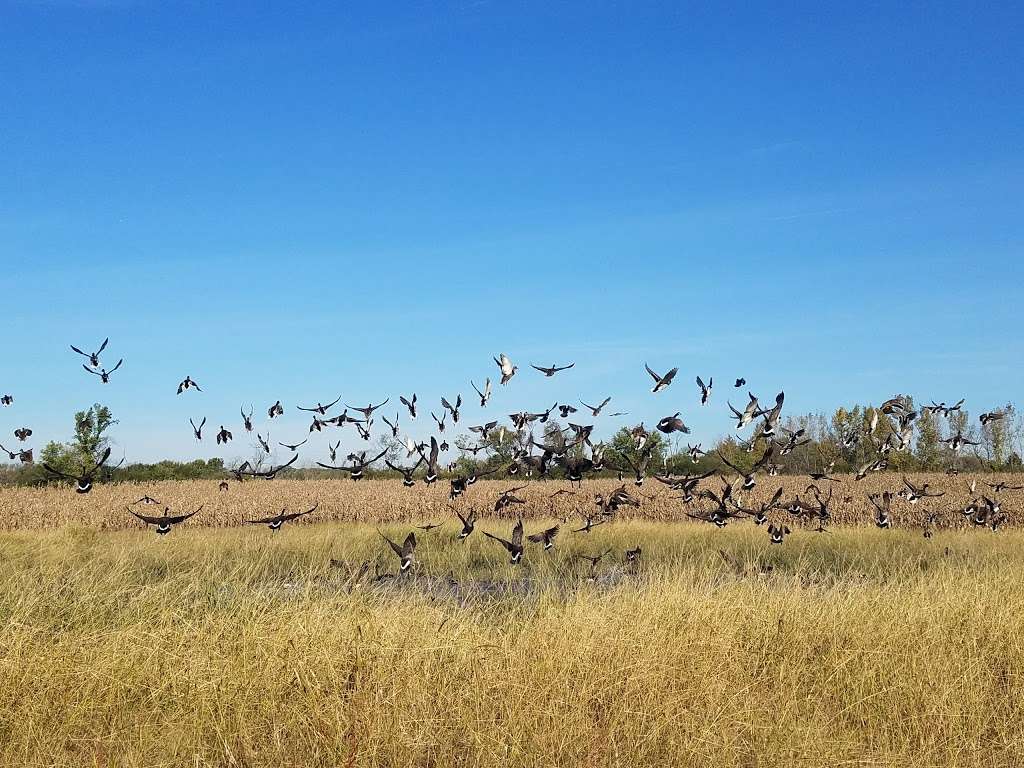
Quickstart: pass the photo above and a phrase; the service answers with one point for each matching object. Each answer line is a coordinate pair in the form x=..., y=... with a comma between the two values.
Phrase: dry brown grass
x=386, y=501
x=241, y=647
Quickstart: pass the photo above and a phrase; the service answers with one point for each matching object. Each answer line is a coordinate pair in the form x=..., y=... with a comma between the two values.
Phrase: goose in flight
x=246, y=420
x=484, y=430
x=505, y=366
x=792, y=442
x=874, y=465
x=740, y=383
x=271, y=473
x=237, y=473
x=23, y=433
x=265, y=444
x=369, y=409
x=591, y=523
x=393, y=425
x=508, y=498
x=913, y=493
x=661, y=382
x=777, y=533
x=771, y=417
x=566, y=410
x=223, y=436
x=575, y=467
x=406, y=472
x=94, y=357
x=882, y=508
x=543, y=416
x=295, y=447
x=440, y=422
x=486, y=394
x=549, y=372
x=943, y=409
x=197, y=431
x=319, y=408
x=188, y=383
x=275, y=410
x=545, y=537
x=705, y=391
x=276, y=521
x=985, y=418
x=453, y=409
x=687, y=484
x=164, y=522
x=411, y=405
x=468, y=523
x=760, y=514
x=595, y=410
x=515, y=545
x=673, y=423
x=432, y=473
x=1002, y=485
x=404, y=552
x=103, y=373
x=957, y=442
x=751, y=412
x=358, y=466
x=749, y=478
x=6, y=400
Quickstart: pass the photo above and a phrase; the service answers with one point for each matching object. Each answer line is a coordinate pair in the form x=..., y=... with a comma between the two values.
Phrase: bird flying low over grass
x=275, y=522
x=164, y=522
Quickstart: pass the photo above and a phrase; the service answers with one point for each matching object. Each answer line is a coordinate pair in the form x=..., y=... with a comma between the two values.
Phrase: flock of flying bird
x=573, y=451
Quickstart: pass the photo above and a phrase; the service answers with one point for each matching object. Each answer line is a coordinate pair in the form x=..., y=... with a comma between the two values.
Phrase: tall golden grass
x=243, y=647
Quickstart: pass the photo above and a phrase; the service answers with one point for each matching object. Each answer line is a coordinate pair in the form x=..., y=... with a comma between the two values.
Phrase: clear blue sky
x=293, y=203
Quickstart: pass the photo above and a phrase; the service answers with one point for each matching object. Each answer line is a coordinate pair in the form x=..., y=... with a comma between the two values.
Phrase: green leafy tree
x=88, y=444
x=996, y=437
x=623, y=446
x=928, y=448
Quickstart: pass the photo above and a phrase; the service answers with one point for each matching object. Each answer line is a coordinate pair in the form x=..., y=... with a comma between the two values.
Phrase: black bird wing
x=278, y=518
x=58, y=473
x=506, y=544
x=394, y=547
x=517, y=534
x=100, y=463
x=409, y=545
x=544, y=535
x=364, y=463
x=275, y=470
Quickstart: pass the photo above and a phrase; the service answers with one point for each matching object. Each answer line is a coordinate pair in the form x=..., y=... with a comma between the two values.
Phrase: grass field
x=239, y=646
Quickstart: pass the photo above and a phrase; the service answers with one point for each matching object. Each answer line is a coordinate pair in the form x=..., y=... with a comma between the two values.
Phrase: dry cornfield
x=387, y=501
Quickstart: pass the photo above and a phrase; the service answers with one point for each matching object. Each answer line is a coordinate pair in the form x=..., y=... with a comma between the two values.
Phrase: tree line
x=841, y=443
